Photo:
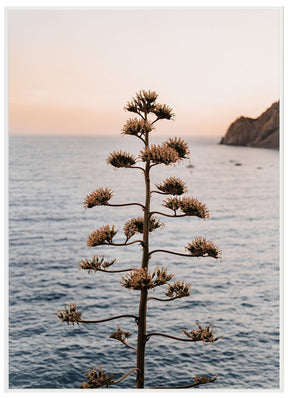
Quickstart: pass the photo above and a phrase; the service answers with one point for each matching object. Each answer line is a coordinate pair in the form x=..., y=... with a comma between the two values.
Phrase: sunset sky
x=72, y=71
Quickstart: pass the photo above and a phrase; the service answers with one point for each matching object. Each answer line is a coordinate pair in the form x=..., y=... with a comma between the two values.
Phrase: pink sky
x=72, y=71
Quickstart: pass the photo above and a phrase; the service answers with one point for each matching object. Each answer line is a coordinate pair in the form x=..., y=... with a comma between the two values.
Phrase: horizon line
x=105, y=135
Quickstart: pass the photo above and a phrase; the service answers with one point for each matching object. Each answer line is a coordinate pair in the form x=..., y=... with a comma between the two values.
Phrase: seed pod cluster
x=142, y=279
x=100, y=196
x=200, y=247
x=101, y=236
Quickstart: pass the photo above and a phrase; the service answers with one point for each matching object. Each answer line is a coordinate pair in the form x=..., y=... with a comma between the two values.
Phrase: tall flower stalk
x=141, y=278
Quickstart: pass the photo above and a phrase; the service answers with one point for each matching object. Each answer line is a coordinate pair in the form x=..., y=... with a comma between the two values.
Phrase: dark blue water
x=49, y=178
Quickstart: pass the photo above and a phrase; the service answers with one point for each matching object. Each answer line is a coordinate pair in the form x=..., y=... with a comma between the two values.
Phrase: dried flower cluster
x=97, y=379
x=95, y=264
x=136, y=225
x=193, y=207
x=69, y=314
x=100, y=196
x=204, y=379
x=121, y=159
x=188, y=206
x=172, y=204
x=142, y=279
x=172, y=186
x=202, y=334
x=137, y=127
x=170, y=151
x=179, y=145
x=178, y=290
x=144, y=101
x=159, y=154
x=120, y=335
x=163, y=112
x=200, y=247
x=102, y=236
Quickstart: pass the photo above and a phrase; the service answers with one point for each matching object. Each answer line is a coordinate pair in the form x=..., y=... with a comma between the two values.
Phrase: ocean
x=49, y=178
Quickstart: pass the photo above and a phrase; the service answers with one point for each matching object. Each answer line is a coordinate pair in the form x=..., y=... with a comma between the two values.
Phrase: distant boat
x=190, y=166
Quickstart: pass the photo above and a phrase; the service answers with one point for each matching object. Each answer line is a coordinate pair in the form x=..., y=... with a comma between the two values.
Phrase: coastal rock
x=262, y=132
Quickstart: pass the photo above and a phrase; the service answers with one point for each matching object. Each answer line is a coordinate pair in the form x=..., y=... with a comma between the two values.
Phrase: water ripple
x=48, y=230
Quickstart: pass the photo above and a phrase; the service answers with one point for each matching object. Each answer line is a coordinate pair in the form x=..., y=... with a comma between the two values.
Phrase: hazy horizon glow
x=72, y=71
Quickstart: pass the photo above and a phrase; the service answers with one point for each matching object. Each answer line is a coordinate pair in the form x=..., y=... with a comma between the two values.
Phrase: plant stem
x=124, y=204
x=160, y=193
x=167, y=335
x=176, y=254
x=128, y=345
x=188, y=385
x=137, y=167
x=155, y=120
x=123, y=244
x=115, y=271
x=110, y=319
x=141, y=341
x=124, y=376
x=168, y=215
x=160, y=299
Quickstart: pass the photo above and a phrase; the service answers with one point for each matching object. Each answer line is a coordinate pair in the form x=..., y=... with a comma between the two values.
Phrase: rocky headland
x=262, y=132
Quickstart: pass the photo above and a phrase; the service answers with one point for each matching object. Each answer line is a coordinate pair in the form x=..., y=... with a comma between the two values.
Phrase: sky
x=71, y=71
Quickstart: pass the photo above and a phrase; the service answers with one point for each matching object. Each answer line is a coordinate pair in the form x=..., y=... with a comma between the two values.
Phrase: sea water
x=49, y=178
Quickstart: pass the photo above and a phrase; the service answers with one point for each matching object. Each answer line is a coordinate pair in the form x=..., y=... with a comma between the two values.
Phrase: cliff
x=262, y=132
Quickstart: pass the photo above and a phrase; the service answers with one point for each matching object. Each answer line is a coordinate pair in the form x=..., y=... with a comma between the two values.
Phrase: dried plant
x=136, y=225
x=172, y=204
x=139, y=278
x=97, y=379
x=69, y=314
x=100, y=196
x=96, y=264
x=143, y=102
x=121, y=159
x=202, y=334
x=122, y=336
x=137, y=127
x=142, y=279
x=193, y=207
x=102, y=236
x=204, y=379
x=178, y=290
x=179, y=145
x=187, y=206
x=200, y=247
x=172, y=186
x=159, y=154
x=163, y=112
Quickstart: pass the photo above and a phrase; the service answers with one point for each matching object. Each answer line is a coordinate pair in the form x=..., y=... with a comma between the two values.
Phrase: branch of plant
x=171, y=252
x=160, y=299
x=111, y=319
x=127, y=345
x=196, y=383
x=123, y=244
x=160, y=193
x=124, y=376
x=167, y=215
x=152, y=165
x=125, y=204
x=138, y=113
x=115, y=271
x=168, y=336
x=137, y=167
x=155, y=120
x=142, y=139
